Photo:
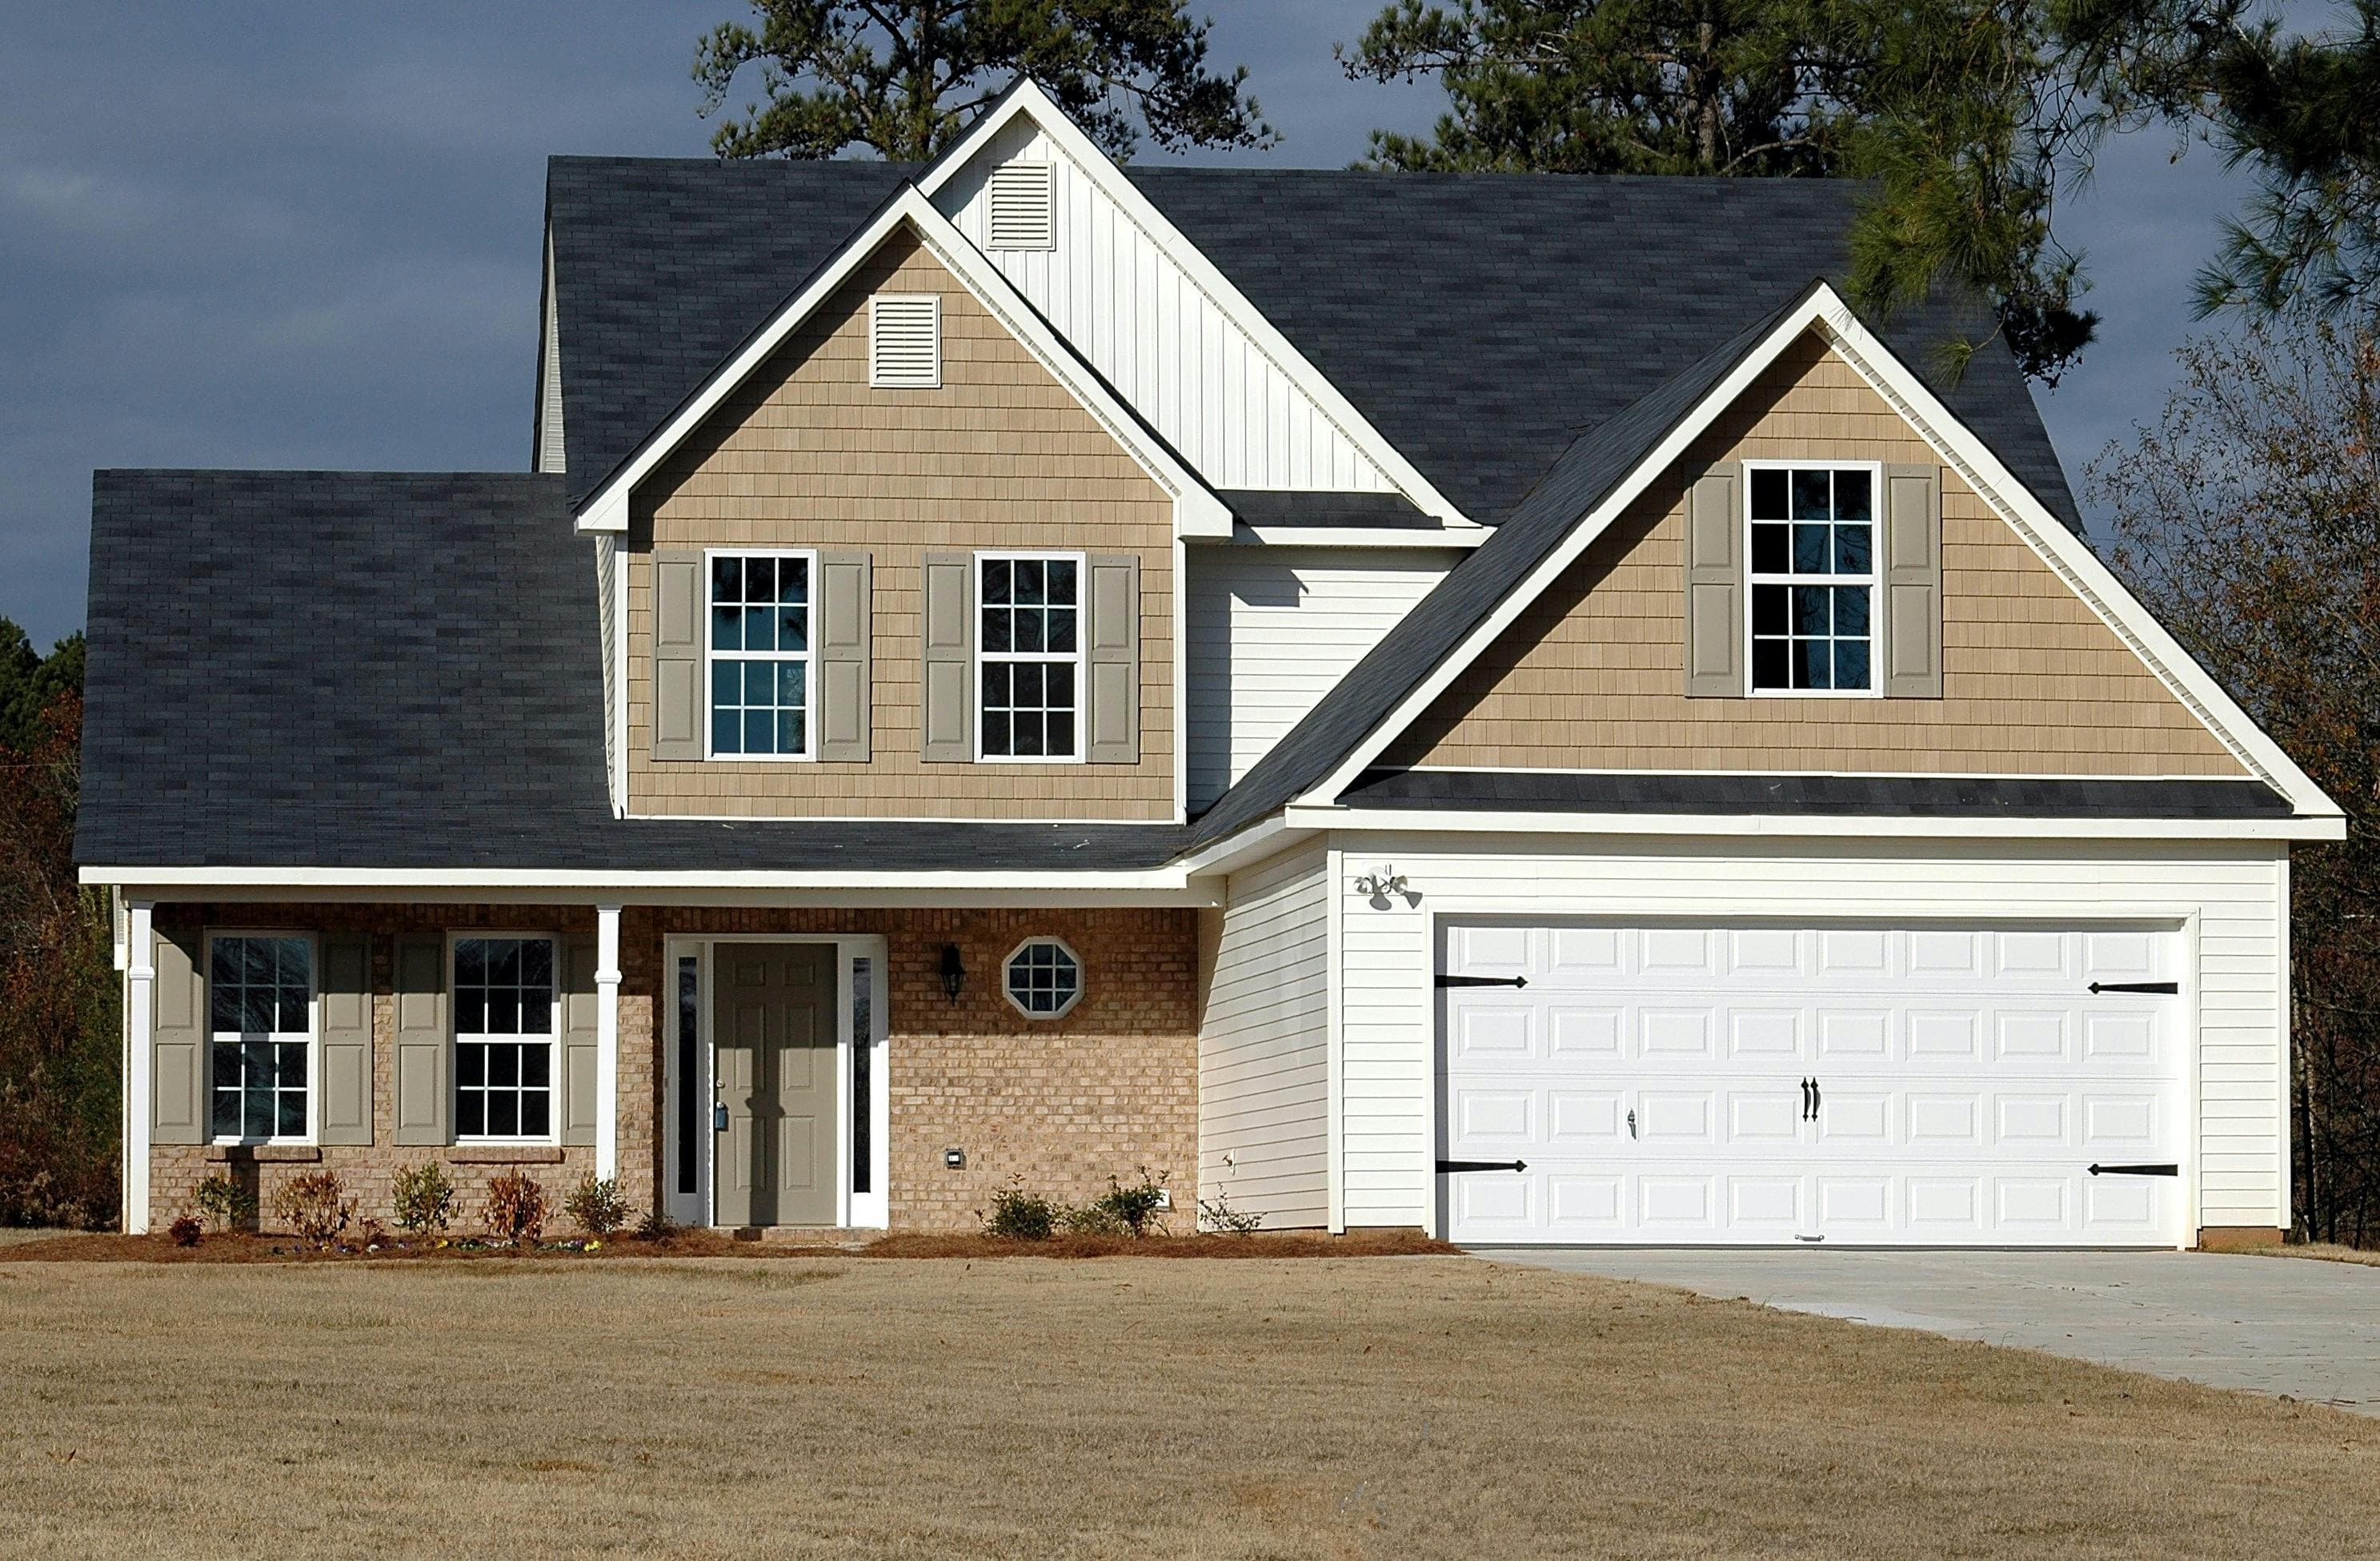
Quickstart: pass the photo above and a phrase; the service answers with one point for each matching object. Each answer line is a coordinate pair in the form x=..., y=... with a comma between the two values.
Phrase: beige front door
x=777, y=1142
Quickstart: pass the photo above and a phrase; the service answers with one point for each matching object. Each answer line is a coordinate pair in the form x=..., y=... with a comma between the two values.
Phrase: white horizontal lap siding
x=1168, y=349
x=1271, y=630
x=2235, y=899
x=1263, y=1038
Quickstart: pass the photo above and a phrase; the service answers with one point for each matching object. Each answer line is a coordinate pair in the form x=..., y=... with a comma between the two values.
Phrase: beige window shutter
x=576, y=1000
x=425, y=1089
x=1911, y=573
x=840, y=648
x=679, y=703
x=948, y=657
x=345, y=1111
x=1112, y=661
x=177, y=1066
x=1715, y=625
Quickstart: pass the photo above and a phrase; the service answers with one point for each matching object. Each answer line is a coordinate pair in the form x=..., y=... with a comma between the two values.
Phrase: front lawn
x=1388, y=1407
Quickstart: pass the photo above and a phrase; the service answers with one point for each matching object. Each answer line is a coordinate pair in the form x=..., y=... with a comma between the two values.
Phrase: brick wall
x=1065, y=1103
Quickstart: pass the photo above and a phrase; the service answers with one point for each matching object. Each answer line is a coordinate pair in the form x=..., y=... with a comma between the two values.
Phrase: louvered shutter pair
x=424, y=1097
x=1908, y=604
x=1110, y=629
x=839, y=640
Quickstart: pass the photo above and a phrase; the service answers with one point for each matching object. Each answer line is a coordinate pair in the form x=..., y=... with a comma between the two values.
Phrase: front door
x=777, y=1146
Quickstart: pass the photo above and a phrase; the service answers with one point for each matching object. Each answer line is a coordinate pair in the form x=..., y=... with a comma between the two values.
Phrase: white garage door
x=1857, y=1085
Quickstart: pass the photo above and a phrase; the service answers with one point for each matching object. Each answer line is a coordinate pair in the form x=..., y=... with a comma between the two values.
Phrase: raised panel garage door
x=1857, y=1085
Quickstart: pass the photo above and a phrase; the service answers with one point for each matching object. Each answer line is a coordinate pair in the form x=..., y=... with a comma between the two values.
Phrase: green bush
x=1019, y=1215
x=225, y=1202
x=425, y=1199
x=1121, y=1210
x=597, y=1205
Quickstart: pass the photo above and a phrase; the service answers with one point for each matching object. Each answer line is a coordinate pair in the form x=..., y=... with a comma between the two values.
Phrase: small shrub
x=425, y=1199
x=597, y=1205
x=225, y=1202
x=1132, y=1208
x=315, y=1205
x=1216, y=1214
x=1019, y=1215
x=515, y=1211
x=185, y=1231
x=371, y=1233
x=657, y=1227
x=1094, y=1218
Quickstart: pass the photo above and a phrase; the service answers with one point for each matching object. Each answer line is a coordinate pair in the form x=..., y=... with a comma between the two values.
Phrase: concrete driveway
x=2286, y=1325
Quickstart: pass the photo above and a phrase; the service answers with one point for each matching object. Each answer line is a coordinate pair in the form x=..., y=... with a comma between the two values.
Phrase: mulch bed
x=243, y=1247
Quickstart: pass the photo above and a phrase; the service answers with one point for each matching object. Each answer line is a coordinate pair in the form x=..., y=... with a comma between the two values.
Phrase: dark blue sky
x=306, y=235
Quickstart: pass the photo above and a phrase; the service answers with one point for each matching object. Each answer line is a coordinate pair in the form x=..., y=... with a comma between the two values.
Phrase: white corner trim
x=1196, y=510
x=607, y=1040
x=2064, y=552
x=2068, y=557
x=1027, y=100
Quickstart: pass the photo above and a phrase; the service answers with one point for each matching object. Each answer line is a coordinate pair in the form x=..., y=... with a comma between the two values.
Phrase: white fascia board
x=1234, y=851
x=1196, y=511
x=1460, y=538
x=1027, y=100
x=2064, y=552
x=1790, y=826
x=2070, y=557
x=1167, y=885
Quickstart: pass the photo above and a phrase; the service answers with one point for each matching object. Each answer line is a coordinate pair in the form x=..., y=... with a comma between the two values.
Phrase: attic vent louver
x=1021, y=207
x=904, y=342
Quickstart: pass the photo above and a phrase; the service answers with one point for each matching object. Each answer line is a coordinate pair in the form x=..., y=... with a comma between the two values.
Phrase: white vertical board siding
x=1168, y=349
x=2230, y=903
x=1263, y=1039
x=1270, y=630
x=549, y=398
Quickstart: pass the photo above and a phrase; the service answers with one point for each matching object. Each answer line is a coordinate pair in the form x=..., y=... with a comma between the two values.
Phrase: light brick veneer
x=1063, y=1104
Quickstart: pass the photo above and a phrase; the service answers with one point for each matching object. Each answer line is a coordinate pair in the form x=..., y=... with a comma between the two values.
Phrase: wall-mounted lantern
x=953, y=972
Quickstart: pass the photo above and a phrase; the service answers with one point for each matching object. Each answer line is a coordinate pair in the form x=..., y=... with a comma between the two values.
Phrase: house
x=1497, y=704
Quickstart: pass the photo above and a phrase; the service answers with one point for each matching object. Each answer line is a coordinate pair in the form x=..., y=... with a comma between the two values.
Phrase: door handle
x=719, y=1117
x=1632, y=1124
x=1816, y=1100
x=1805, y=1100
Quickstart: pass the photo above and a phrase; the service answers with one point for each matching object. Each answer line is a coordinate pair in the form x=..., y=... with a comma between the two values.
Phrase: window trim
x=1078, y=660
x=313, y=941
x=1873, y=579
x=1082, y=977
x=552, y=1136
x=808, y=658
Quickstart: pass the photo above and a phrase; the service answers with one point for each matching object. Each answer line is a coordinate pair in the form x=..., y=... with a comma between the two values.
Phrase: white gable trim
x=1027, y=100
x=1196, y=511
x=2058, y=547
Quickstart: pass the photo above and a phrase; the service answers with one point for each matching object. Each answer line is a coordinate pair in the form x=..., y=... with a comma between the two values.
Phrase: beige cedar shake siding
x=1002, y=455
x=1065, y=1103
x=1591, y=676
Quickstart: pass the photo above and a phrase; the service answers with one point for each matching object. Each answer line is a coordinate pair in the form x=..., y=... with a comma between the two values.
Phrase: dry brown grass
x=49, y=1246
x=1419, y=1407
x=2321, y=1251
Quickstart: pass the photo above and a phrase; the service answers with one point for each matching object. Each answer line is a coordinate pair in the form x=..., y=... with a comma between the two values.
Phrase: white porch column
x=139, y=1036
x=607, y=1040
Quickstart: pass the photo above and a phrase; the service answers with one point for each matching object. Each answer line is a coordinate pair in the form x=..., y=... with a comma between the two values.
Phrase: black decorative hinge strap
x=2169, y=988
x=1483, y=980
x=2098, y=1170
x=1446, y=1165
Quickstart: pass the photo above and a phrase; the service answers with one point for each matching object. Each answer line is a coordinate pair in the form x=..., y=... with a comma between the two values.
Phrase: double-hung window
x=260, y=1032
x=1813, y=577
x=1029, y=654
x=503, y=1038
x=760, y=655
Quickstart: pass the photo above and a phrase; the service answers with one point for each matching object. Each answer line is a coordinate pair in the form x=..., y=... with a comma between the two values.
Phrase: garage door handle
x=1446, y=1165
x=2165, y=988
x=2098, y=1170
